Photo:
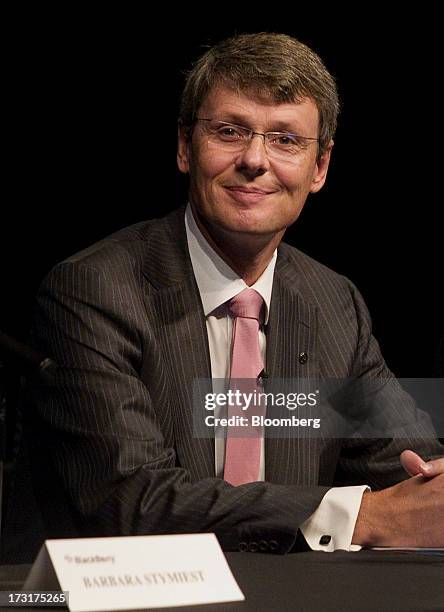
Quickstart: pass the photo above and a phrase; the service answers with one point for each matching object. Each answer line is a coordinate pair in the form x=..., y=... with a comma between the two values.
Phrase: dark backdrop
x=93, y=103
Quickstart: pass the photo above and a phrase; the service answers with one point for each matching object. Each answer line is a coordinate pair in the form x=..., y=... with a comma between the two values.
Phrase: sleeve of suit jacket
x=111, y=438
x=370, y=460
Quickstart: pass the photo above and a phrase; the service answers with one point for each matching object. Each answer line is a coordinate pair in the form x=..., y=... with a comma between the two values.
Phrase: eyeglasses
x=231, y=137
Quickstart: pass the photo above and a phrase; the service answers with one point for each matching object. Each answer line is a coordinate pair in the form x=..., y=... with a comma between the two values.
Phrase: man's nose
x=254, y=159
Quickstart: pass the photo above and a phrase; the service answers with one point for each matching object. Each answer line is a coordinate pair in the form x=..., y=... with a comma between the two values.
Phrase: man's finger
x=414, y=464
x=411, y=462
x=433, y=468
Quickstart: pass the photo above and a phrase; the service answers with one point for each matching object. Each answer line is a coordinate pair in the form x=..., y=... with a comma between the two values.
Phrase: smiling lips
x=248, y=195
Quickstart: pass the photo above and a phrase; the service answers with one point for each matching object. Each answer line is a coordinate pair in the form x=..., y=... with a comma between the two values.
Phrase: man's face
x=249, y=191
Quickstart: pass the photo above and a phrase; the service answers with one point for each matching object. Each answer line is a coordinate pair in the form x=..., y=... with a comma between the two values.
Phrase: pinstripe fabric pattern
x=124, y=321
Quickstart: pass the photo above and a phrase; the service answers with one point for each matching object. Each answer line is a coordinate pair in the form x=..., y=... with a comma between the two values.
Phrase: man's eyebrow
x=243, y=120
x=233, y=117
x=285, y=126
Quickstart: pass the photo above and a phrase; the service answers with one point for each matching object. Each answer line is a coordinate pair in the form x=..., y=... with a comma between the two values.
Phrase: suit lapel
x=175, y=308
x=291, y=353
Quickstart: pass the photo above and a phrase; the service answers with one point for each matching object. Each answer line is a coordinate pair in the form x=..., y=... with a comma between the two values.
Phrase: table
x=316, y=581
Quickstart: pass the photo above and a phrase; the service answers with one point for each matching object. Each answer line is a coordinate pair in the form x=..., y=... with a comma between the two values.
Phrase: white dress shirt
x=217, y=283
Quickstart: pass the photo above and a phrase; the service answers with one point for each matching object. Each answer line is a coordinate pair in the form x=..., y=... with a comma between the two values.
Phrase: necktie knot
x=248, y=304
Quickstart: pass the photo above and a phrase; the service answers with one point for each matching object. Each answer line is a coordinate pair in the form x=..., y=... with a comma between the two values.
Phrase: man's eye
x=228, y=131
x=285, y=140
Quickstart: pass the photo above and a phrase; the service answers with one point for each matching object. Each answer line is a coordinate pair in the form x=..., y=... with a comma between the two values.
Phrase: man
x=134, y=320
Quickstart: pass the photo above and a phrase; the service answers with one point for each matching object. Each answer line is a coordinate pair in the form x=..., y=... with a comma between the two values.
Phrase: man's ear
x=183, y=147
x=321, y=168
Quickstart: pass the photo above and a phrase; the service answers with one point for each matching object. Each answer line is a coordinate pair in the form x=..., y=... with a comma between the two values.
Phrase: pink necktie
x=243, y=445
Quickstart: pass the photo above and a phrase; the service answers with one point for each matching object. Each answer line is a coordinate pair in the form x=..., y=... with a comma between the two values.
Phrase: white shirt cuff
x=335, y=518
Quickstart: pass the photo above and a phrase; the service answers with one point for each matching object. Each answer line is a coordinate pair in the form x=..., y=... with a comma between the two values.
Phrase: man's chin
x=250, y=228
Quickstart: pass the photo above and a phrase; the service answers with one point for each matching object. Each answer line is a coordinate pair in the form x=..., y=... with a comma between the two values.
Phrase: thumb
x=411, y=462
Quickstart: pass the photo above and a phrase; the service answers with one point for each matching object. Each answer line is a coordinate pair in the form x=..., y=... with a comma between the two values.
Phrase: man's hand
x=413, y=465
x=410, y=513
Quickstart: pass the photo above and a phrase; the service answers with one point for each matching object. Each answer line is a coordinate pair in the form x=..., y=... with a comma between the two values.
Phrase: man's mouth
x=248, y=194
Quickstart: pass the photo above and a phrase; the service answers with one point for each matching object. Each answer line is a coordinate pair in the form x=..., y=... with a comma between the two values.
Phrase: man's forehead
x=228, y=104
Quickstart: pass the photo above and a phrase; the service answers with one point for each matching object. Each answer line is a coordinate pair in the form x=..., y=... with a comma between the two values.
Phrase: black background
x=92, y=103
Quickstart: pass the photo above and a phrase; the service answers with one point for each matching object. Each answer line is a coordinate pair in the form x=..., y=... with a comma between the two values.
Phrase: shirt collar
x=216, y=281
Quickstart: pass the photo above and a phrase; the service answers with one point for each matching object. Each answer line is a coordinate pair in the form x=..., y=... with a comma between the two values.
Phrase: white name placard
x=135, y=572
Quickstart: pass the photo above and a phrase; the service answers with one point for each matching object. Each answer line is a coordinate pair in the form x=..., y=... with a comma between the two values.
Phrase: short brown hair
x=270, y=66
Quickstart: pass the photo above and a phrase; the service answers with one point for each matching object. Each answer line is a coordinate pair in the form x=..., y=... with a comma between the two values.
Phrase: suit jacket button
x=273, y=545
x=253, y=547
x=325, y=540
x=243, y=546
x=263, y=546
x=303, y=357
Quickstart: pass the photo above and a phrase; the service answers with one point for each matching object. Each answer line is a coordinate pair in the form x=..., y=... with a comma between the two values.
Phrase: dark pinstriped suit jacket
x=124, y=321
